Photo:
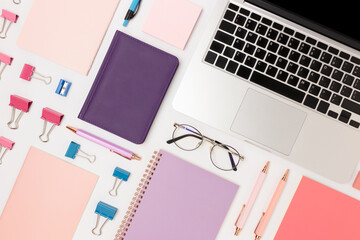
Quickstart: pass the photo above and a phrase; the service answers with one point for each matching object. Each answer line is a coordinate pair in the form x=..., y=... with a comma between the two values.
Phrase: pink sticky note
x=172, y=21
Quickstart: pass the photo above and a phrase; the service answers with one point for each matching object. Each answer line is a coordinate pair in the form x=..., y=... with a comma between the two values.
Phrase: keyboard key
x=227, y=27
x=282, y=76
x=337, y=75
x=217, y=47
x=233, y=7
x=229, y=15
x=239, y=44
x=260, y=53
x=324, y=82
x=314, y=77
x=311, y=40
x=315, y=52
x=322, y=45
x=348, y=80
x=221, y=62
x=244, y=11
x=244, y=72
x=325, y=94
x=323, y=107
x=354, y=124
x=346, y=91
x=325, y=57
x=344, y=116
x=266, y=21
x=336, y=62
x=356, y=71
x=293, y=80
x=335, y=86
x=303, y=72
x=272, y=34
x=278, y=87
x=294, y=56
x=261, y=29
x=210, y=57
x=347, y=67
x=240, y=20
x=300, y=36
x=250, y=24
x=283, y=38
x=289, y=31
x=277, y=26
x=357, y=84
x=304, y=85
x=315, y=65
x=336, y=99
x=239, y=57
x=270, y=58
x=304, y=48
x=249, y=48
x=262, y=42
x=356, y=96
x=311, y=101
x=283, y=51
x=240, y=32
x=351, y=106
x=255, y=16
x=292, y=67
x=314, y=90
x=305, y=60
x=344, y=55
x=229, y=52
x=224, y=38
x=273, y=47
x=333, y=114
x=232, y=67
x=250, y=61
x=251, y=37
x=326, y=70
x=261, y=66
x=271, y=71
x=293, y=43
x=355, y=60
x=333, y=50
x=281, y=62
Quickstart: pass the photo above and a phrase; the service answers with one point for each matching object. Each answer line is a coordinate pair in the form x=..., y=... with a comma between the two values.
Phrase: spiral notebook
x=177, y=200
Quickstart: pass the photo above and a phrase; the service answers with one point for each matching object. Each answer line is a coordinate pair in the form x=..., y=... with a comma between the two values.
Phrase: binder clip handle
x=17, y=2
x=103, y=210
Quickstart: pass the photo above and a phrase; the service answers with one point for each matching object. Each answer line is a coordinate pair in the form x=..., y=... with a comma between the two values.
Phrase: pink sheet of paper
x=319, y=212
x=48, y=199
x=172, y=21
x=67, y=32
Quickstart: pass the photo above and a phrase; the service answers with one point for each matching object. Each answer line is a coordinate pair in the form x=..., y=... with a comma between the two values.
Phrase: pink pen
x=265, y=217
x=245, y=211
x=112, y=147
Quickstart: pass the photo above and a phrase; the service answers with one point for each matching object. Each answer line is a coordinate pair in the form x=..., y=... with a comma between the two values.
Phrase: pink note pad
x=47, y=200
x=319, y=212
x=67, y=32
x=172, y=21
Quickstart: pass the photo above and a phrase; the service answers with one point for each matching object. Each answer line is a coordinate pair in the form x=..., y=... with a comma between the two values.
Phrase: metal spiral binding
x=138, y=196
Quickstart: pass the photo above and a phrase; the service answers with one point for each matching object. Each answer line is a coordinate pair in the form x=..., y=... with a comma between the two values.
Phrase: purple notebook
x=178, y=201
x=129, y=88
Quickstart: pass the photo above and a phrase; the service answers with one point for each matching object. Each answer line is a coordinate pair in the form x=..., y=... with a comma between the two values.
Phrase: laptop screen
x=342, y=16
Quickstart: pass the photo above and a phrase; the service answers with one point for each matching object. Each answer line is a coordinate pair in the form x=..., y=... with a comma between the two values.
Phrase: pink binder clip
x=20, y=103
x=8, y=17
x=4, y=60
x=28, y=73
x=49, y=115
x=7, y=144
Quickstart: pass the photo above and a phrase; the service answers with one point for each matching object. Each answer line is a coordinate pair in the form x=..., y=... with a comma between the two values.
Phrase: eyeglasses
x=222, y=156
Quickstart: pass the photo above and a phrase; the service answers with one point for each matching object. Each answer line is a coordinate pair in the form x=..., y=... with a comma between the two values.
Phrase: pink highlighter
x=240, y=222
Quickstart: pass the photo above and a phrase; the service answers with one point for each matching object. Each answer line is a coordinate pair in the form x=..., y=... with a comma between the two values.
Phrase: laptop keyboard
x=287, y=62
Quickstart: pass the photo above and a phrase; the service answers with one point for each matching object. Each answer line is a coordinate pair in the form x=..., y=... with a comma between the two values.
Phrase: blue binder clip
x=106, y=211
x=73, y=151
x=63, y=87
x=121, y=174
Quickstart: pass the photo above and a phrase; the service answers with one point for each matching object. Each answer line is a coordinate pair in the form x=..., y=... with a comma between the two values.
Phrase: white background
x=44, y=96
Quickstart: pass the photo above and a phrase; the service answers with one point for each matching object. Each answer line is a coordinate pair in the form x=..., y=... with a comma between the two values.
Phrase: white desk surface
x=161, y=130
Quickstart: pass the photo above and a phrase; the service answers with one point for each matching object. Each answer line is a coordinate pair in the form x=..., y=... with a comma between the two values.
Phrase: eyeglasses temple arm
x=181, y=137
x=230, y=156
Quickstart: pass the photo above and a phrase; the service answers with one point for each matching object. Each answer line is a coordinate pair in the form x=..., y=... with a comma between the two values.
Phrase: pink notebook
x=177, y=201
x=48, y=199
x=319, y=212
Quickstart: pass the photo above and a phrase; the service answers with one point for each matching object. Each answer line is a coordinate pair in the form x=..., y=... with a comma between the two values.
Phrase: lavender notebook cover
x=182, y=201
x=129, y=88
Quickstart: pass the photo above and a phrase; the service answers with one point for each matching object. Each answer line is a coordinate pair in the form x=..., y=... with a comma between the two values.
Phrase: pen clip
x=240, y=214
x=262, y=215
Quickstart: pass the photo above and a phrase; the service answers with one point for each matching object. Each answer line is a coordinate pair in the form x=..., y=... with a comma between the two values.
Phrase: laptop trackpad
x=268, y=121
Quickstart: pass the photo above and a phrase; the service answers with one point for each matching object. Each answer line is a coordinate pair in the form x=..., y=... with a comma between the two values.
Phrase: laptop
x=284, y=76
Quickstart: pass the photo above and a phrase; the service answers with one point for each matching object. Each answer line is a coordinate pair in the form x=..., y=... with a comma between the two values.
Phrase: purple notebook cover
x=129, y=88
x=182, y=201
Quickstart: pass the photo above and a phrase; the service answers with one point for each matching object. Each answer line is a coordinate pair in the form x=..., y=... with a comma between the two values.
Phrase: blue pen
x=132, y=11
